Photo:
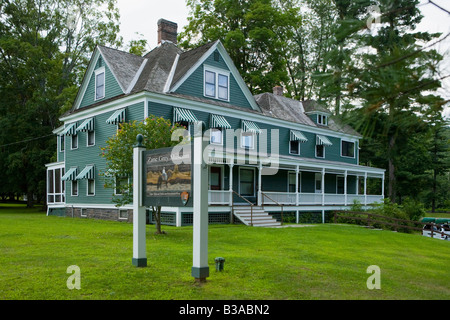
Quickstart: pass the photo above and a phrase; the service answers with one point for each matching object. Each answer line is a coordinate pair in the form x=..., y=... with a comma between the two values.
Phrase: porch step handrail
x=251, y=206
x=278, y=204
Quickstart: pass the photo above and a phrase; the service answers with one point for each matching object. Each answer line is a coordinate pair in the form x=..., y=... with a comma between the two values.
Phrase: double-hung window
x=322, y=119
x=217, y=84
x=347, y=149
x=100, y=83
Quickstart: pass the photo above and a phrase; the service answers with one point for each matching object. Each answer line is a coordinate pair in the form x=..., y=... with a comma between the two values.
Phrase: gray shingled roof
x=293, y=110
x=157, y=69
x=188, y=59
x=158, y=65
x=123, y=65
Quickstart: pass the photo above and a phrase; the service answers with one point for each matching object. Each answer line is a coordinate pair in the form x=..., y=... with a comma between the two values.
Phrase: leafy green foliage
x=44, y=49
x=118, y=152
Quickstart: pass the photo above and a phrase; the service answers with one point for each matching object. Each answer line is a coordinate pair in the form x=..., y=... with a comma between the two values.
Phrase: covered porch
x=299, y=184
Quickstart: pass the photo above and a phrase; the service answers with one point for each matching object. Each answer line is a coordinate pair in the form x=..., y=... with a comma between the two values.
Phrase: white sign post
x=200, y=269
x=139, y=223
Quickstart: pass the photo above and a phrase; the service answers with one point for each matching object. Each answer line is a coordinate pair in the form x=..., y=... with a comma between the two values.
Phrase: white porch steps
x=260, y=217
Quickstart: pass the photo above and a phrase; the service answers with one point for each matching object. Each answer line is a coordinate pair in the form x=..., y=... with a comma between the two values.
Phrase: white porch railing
x=222, y=197
x=309, y=198
x=219, y=197
x=280, y=197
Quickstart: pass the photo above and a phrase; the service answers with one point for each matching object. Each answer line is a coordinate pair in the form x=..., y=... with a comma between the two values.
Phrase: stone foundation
x=124, y=215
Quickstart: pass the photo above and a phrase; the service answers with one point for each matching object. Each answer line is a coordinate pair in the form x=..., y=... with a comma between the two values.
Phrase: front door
x=247, y=183
x=215, y=178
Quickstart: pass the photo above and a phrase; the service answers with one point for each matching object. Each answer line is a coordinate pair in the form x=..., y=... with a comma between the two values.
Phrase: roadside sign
x=168, y=177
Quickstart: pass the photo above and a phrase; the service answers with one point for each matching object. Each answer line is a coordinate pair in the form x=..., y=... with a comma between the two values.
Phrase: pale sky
x=142, y=15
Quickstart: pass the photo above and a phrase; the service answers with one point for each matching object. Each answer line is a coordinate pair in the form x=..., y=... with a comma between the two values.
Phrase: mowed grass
x=294, y=263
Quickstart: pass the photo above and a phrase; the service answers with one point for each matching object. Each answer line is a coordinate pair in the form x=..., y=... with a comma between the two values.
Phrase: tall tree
x=254, y=33
x=396, y=73
x=44, y=46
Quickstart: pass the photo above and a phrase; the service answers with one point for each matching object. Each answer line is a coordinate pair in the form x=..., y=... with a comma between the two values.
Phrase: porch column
x=345, y=187
x=365, y=188
x=230, y=188
x=382, y=185
x=259, y=185
x=323, y=186
x=297, y=171
x=357, y=185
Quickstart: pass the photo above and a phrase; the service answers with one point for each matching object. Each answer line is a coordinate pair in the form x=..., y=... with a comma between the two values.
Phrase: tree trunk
x=433, y=196
x=391, y=169
x=30, y=203
x=157, y=217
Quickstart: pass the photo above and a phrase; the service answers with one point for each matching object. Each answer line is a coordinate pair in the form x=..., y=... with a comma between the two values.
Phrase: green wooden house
x=317, y=157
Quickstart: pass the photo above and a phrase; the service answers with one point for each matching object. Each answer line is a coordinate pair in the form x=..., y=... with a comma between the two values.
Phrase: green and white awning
x=87, y=125
x=86, y=173
x=117, y=117
x=180, y=114
x=297, y=136
x=70, y=175
x=219, y=122
x=249, y=126
x=71, y=129
x=322, y=140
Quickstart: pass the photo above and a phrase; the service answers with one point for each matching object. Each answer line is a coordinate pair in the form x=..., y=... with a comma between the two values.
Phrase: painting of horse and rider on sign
x=169, y=177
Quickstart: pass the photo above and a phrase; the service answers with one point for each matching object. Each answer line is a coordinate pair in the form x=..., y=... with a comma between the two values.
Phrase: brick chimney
x=278, y=91
x=167, y=31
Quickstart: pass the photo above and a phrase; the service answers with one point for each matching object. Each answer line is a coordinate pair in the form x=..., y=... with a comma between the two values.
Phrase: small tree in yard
x=118, y=152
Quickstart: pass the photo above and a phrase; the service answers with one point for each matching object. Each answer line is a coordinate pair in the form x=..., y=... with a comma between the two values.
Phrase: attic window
x=216, y=84
x=322, y=119
x=100, y=83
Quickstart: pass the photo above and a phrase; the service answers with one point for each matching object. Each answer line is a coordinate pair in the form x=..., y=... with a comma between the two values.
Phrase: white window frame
x=221, y=130
x=87, y=188
x=120, y=216
x=354, y=149
x=71, y=188
x=248, y=134
x=315, y=150
x=87, y=138
x=316, y=176
x=83, y=212
x=323, y=119
x=61, y=140
x=98, y=72
x=298, y=143
x=216, y=72
x=71, y=141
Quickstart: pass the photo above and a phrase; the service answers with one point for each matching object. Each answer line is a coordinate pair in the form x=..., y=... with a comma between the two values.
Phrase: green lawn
x=310, y=262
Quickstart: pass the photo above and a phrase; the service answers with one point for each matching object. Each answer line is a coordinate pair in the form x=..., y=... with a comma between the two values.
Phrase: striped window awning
x=180, y=114
x=87, y=125
x=117, y=117
x=71, y=129
x=322, y=140
x=219, y=122
x=297, y=136
x=70, y=175
x=86, y=173
x=249, y=126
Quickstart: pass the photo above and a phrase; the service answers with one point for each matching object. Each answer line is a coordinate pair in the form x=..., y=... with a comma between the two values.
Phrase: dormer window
x=100, y=83
x=322, y=119
x=216, y=84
